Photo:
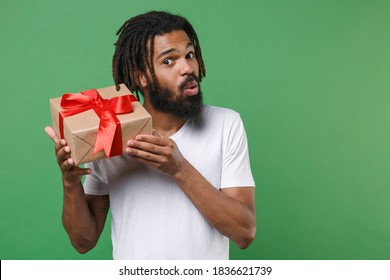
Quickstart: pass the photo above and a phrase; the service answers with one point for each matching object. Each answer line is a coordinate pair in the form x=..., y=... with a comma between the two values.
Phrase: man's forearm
x=77, y=218
x=233, y=218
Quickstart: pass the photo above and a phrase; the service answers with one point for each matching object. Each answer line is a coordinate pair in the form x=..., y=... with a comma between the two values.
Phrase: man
x=182, y=192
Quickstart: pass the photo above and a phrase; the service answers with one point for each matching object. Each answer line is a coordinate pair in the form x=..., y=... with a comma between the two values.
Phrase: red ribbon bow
x=109, y=137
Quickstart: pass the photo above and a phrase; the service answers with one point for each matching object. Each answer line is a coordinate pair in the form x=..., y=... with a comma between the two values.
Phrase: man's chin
x=186, y=110
x=184, y=106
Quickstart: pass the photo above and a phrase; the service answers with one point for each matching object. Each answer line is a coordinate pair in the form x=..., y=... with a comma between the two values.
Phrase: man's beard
x=181, y=106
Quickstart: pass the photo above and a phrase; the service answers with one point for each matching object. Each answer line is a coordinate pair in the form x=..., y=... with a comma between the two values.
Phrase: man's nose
x=186, y=68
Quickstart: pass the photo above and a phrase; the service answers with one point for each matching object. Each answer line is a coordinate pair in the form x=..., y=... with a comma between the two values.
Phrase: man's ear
x=142, y=79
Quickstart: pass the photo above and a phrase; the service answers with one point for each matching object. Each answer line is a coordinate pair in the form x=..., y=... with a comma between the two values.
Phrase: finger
x=157, y=140
x=148, y=162
x=74, y=170
x=86, y=171
x=79, y=170
x=59, y=145
x=63, y=154
x=71, y=162
x=146, y=146
x=67, y=164
x=50, y=132
x=151, y=157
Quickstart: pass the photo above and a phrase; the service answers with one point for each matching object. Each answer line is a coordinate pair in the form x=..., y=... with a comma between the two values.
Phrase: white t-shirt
x=151, y=217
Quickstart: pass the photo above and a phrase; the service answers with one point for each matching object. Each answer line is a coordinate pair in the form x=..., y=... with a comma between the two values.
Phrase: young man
x=182, y=192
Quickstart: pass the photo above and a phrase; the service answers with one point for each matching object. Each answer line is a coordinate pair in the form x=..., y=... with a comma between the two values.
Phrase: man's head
x=135, y=58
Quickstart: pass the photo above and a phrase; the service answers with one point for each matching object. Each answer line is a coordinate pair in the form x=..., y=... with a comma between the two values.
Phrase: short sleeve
x=94, y=183
x=236, y=170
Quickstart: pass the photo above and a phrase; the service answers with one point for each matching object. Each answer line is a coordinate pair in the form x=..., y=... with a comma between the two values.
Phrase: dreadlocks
x=132, y=56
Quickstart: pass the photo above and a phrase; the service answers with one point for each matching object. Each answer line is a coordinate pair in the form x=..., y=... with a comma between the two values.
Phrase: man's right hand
x=71, y=173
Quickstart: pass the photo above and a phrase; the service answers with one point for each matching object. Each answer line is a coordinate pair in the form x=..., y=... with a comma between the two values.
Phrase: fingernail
x=129, y=151
x=138, y=138
x=67, y=149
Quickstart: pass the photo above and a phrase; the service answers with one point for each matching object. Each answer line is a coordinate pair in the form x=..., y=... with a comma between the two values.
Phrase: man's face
x=176, y=69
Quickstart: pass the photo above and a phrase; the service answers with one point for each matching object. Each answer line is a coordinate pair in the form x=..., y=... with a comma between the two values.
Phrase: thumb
x=50, y=132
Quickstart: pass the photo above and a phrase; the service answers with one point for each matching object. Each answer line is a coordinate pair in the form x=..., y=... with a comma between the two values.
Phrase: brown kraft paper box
x=80, y=130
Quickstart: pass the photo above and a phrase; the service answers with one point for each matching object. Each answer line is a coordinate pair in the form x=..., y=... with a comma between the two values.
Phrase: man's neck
x=165, y=124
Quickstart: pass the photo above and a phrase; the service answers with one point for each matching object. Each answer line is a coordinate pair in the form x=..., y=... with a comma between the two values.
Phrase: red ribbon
x=109, y=137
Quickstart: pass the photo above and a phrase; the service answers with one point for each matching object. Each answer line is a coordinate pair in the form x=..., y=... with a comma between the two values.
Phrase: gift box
x=98, y=123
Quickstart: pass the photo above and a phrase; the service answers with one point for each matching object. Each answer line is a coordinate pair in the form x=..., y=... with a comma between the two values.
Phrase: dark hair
x=131, y=49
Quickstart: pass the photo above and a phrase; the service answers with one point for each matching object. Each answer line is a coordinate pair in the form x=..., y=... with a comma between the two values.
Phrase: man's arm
x=231, y=211
x=83, y=216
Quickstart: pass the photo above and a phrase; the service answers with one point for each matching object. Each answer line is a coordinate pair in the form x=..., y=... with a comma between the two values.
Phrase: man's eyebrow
x=172, y=50
x=166, y=52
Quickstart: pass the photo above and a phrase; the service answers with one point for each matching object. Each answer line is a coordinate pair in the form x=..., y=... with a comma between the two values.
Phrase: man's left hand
x=159, y=152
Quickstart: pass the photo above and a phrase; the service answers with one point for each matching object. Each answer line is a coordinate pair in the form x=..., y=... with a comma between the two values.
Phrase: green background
x=310, y=79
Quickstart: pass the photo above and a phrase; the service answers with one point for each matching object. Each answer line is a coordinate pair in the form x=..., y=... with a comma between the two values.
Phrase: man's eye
x=190, y=55
x=167, y=61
